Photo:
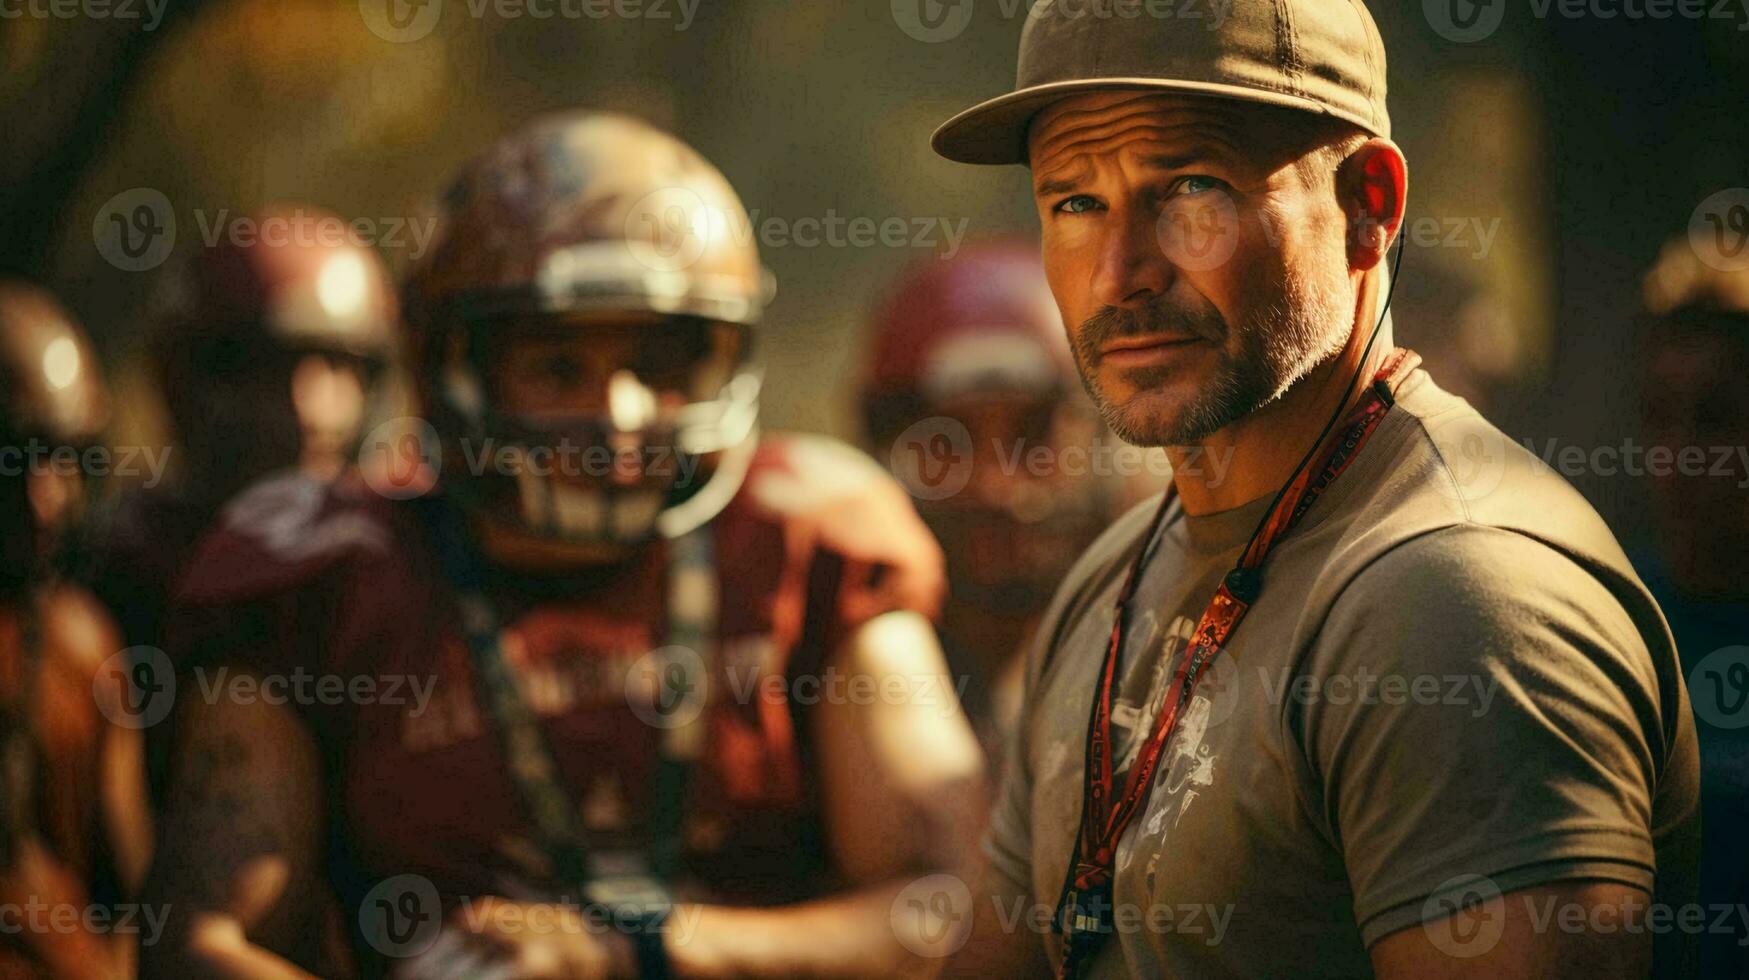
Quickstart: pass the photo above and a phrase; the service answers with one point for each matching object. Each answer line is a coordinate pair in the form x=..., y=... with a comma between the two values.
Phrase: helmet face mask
x=585, y=428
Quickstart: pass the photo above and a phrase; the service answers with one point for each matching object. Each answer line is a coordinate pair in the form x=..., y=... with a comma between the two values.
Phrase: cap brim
x=994, y=131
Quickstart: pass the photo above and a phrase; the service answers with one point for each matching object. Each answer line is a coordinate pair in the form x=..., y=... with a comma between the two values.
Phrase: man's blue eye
x=1197, y=184
x=1077, y=204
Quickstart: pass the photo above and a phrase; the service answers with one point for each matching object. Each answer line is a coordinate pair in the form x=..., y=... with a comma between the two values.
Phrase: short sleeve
x=1477, y=704
x=1008, y=837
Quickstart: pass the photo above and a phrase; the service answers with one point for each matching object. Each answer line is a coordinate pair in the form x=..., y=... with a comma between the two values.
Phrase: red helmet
x=581, y=222
x=51, y=393
x=982, y=320
x=244, y=317
x=51, y=386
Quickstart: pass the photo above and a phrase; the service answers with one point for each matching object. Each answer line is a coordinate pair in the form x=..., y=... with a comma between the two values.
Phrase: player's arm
x=902, y=785
x=81, y=628
x=1514, y=936
x=997, y=947
x=127, y=817
x=37, y=880
x=238, y=856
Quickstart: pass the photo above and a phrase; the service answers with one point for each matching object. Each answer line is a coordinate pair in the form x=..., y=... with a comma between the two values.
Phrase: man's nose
x=1132, y=264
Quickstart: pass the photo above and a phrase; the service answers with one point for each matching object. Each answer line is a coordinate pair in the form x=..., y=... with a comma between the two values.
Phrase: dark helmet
x=243, y=317
x=51, y=395
x=581, y=222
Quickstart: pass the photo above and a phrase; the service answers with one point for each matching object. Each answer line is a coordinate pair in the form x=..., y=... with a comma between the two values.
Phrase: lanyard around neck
x=1085, y=910
x=532, y=764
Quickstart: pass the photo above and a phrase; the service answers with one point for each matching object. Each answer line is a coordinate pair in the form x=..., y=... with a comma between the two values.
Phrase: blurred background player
x=976, y=341
x=56, y=390
x=635, y=615
x=266, y=356
x=1694, y=357
x=76, y=832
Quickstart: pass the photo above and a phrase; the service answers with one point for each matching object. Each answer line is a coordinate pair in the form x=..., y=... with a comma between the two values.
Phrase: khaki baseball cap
x=1321, y=56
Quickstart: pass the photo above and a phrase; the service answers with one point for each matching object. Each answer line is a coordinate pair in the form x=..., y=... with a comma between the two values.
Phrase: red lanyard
x=1085, y=911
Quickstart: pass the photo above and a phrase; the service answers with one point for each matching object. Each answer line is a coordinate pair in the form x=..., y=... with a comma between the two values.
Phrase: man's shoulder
x=1443, y=480
x=1455, y=530
x=811, y=496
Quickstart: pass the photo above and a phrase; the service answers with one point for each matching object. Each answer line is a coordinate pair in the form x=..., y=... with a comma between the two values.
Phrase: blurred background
x=1557, y=148
x=1550, y=156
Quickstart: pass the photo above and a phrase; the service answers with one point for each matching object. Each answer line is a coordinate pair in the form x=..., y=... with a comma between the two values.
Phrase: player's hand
x=500, y=939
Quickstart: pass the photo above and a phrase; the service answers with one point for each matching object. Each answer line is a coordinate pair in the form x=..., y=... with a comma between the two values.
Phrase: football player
x=266, y=356
x=635, y=690
x=76, y=836
x=1693, y=352
x=969, y=392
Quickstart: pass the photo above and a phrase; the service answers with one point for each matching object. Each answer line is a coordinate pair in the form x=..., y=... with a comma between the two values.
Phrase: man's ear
x=1372, y=186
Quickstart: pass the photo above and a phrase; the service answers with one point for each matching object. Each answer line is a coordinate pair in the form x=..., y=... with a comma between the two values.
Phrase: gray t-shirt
x=1451, y=686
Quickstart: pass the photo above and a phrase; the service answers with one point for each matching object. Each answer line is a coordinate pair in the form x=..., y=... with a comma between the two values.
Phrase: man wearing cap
x=1380, y=695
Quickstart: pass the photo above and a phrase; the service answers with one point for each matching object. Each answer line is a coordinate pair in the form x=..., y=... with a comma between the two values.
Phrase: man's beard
x=1275, y=348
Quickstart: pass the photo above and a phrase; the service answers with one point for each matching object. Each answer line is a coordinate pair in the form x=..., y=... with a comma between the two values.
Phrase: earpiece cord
x=1335, y=416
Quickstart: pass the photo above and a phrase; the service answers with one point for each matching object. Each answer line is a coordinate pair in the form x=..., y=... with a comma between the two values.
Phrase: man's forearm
x=853, y=934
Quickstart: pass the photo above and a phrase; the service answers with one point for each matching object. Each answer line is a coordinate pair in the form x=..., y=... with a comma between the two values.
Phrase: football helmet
x=269, y=347
x=52, y=397
x=585, y=228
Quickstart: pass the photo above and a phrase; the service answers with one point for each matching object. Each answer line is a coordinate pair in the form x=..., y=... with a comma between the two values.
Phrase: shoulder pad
x=851, y=508
x=281, y=533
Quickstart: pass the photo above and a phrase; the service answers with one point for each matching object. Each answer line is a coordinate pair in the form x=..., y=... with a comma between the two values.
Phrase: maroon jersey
x=343, y=589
